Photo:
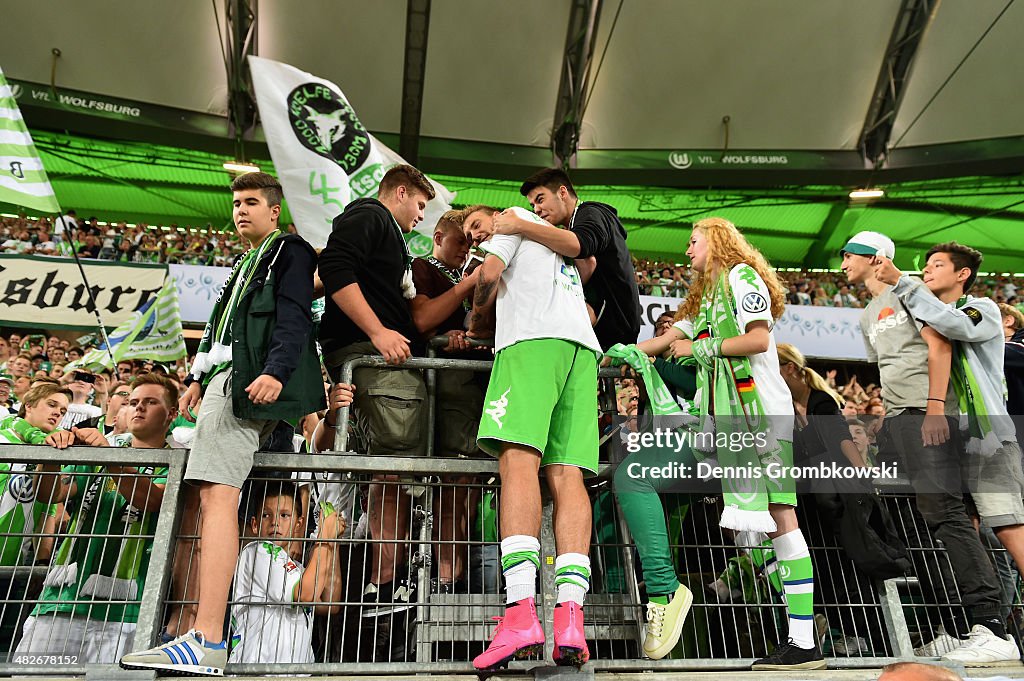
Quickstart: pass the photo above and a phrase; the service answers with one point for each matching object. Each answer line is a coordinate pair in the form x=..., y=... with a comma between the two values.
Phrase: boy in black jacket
x=366, y=269
x=257, y=363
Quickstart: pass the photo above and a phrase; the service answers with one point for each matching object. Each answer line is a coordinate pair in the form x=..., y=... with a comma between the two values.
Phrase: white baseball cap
x=870, y=243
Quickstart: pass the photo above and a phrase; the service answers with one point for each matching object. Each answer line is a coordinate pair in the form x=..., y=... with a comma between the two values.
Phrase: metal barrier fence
x=442, y=547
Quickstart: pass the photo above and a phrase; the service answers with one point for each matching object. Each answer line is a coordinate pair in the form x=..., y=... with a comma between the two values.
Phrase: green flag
x=153, y=333
x=23, y=180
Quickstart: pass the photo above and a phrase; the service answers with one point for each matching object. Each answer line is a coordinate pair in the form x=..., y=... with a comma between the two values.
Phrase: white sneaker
x=940, y=645
x=984, y=649
x=187, y=655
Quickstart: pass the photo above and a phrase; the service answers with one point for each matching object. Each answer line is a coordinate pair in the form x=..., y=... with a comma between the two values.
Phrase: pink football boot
x=517, y=635
x=570, y=643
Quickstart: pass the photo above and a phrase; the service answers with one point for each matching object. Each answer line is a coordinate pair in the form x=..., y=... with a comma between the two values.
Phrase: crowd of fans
x=290, y=555
x=206, y=245
x=121, y=242
x=821, y=288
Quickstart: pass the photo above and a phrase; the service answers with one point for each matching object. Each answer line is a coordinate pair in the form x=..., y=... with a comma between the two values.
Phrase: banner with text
x=826, y=332
x=41, y=291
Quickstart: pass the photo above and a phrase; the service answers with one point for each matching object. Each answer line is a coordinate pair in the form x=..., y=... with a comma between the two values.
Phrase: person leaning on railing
x=366, y=270
x=22, y=511
x=90, y=601
x=439, y=309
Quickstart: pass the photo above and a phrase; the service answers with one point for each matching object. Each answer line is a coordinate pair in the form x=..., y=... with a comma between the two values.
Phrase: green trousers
x=638, y=494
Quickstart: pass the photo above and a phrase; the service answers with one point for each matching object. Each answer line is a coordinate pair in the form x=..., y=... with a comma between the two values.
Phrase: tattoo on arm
x=482, y=294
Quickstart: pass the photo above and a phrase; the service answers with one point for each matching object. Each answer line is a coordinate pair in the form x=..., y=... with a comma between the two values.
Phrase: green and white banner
x=42, y=291
x=153, y=332
x=324, y=156
x=23, y=180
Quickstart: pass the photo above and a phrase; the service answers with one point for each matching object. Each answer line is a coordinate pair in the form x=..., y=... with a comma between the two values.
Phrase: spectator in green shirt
x=93, y=590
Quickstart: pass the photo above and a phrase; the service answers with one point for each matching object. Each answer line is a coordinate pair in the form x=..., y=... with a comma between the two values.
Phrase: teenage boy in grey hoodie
x=992, y=457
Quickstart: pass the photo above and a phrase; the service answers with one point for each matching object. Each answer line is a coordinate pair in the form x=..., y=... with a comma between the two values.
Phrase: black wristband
x=936, y=399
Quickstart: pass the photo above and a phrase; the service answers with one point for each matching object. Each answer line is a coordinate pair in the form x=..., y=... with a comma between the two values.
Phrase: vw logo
x=21, y=488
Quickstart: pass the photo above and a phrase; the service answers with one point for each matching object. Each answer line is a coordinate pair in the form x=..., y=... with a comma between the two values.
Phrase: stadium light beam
x=240, y=167
x=862, y=194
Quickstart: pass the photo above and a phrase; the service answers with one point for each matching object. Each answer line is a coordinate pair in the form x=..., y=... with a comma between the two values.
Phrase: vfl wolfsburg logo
x=326, y=125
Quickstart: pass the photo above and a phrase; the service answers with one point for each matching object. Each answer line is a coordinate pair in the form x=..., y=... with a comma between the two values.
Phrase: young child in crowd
x=274, y=595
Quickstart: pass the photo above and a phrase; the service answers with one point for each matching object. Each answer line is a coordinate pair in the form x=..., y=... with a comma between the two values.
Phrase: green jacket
x=272, y=333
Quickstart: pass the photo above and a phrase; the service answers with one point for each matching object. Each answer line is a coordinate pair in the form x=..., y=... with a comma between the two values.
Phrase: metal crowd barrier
x=863, y=623
x=95, y=614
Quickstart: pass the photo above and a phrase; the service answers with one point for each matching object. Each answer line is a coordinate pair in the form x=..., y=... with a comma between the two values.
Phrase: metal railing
x=863, y=623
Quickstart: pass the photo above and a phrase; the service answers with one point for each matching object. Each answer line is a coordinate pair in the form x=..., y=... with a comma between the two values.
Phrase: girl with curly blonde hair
x=724, y=327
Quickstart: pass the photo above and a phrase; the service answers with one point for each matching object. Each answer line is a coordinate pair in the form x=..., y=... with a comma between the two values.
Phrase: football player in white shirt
x=541, y=412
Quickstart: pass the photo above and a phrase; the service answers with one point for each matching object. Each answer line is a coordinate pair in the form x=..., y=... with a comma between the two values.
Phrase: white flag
x=324, y=156
x=23, y=180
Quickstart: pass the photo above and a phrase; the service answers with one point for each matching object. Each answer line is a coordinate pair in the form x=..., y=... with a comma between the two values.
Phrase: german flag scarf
x=734, y=422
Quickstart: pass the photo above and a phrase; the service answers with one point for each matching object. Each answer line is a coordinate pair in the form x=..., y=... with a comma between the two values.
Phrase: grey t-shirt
x=893, y=340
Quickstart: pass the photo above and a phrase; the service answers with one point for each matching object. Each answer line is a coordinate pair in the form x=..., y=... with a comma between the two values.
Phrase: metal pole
x=162, y=555
x=88, y=289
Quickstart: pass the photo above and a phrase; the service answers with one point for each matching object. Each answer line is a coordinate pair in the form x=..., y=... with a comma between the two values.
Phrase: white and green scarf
x=215, y=347
x=661, y=401
x=113, y=578
x=408, y=285
x=982, y=438
x=729, y=397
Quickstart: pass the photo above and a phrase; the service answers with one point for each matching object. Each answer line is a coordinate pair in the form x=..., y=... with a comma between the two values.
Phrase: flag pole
x=88, y=289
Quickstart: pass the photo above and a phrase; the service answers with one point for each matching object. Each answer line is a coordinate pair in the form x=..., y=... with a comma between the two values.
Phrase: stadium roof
x=820, y=97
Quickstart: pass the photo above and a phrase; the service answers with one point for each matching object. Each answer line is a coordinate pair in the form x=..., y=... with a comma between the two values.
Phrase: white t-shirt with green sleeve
x=540, y=294
x=753, y=303
x=272, y=626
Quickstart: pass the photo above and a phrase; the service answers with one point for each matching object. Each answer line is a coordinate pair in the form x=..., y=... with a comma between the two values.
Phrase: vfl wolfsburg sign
x=324, y=156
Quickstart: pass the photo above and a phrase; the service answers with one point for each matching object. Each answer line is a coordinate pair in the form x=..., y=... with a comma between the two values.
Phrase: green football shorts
x=543, y=394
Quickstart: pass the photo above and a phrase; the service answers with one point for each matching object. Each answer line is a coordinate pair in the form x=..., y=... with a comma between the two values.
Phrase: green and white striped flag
x=23, y=180
x=153, y=332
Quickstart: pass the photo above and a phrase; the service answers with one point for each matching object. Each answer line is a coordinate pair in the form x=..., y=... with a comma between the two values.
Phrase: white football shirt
x=273, y=628
x=540, y=294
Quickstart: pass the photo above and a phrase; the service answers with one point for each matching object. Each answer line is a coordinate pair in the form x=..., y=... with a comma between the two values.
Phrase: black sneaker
x=389, y=598
x=788, y=656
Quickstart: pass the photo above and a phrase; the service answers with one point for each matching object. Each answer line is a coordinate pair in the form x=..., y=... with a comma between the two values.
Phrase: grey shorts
x=997, y=486
x=223, y=447
x=390, y=405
